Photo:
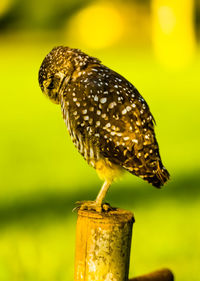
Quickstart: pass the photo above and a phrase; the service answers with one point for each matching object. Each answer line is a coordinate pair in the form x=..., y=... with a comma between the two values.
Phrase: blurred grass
x=42, y=174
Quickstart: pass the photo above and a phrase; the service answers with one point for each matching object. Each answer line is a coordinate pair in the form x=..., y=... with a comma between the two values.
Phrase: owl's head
x=55, y=69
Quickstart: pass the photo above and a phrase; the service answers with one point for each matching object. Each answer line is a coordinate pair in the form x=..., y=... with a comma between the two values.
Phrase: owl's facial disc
x=53, y=85
x=54, y=70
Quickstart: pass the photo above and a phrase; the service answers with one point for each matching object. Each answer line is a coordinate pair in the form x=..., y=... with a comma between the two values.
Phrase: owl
x=108, y=120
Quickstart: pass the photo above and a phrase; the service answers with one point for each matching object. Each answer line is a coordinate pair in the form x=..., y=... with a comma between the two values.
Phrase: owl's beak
x=63, y=84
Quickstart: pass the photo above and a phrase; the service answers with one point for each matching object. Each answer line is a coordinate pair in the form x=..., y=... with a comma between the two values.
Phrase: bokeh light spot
x=173, y=32
x=4, y=6
x=167, y=19
x=99, y=25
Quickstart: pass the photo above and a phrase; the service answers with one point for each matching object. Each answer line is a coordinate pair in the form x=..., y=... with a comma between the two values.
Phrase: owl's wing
x=110, y=115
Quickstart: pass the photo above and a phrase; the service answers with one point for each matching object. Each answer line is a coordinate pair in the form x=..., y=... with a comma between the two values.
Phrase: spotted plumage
x=108, y=120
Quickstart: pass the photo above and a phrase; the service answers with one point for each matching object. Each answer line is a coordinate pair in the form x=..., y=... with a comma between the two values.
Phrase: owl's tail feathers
x=156, y=175
x=160, y=177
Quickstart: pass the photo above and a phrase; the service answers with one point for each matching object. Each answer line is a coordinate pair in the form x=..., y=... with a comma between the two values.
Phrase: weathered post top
x=114, y=216
x=103, y=242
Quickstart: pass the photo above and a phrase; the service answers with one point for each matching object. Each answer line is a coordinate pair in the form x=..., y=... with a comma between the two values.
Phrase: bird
x=108, y=120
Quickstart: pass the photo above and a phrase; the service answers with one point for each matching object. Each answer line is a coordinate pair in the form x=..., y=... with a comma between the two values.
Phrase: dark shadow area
x=39, y=206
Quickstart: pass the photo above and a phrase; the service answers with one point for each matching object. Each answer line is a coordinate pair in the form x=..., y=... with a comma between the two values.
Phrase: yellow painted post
x=103, y=242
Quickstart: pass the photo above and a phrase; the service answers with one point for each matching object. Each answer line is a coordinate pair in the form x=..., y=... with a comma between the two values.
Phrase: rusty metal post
x=159, y=275
x=103, y=242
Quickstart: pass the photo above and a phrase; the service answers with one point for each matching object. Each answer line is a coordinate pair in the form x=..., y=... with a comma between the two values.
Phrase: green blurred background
x=155, y=44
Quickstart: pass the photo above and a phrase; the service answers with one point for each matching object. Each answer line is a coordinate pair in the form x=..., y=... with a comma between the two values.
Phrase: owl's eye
x=51, y=85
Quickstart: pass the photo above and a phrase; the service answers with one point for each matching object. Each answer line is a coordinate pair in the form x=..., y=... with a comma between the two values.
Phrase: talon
x=99, y=208
x=106, y=207
x=93, y=206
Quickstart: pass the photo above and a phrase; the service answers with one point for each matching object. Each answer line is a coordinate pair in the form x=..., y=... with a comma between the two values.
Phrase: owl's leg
x=102, y=193
x=97, y=205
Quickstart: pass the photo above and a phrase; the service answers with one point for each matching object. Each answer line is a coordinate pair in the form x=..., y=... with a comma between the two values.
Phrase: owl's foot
x=93, y=206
